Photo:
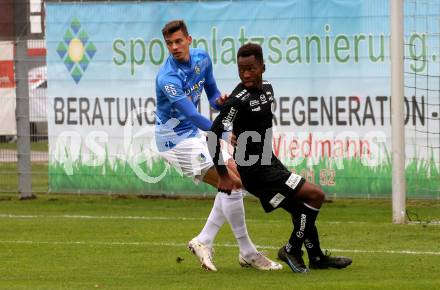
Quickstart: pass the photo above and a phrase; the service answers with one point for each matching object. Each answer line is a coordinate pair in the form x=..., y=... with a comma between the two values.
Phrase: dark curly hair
x=249, y=49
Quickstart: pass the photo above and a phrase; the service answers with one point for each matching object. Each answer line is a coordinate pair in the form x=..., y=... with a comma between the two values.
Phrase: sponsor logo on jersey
x=170, y=89
x=227, y=122
x=277, y=199
x=227, y=125
x=256, y=109
x=254, y=103
x=194, y=87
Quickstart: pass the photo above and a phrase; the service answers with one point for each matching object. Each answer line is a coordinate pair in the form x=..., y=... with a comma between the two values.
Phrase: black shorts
x=273, y=184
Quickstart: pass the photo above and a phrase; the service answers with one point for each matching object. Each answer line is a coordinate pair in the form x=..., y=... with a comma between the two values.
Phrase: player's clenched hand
x=221, y=101
x=233, y=139
x=226, y=184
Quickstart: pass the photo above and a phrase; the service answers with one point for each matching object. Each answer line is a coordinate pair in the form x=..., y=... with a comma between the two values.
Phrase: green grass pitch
x=114, y=242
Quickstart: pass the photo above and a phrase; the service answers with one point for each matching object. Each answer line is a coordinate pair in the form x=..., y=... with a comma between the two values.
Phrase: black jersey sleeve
x=224, y=123
x=269, y=86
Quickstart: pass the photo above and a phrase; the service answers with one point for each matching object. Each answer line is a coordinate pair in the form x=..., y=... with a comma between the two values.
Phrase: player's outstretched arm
x=187, y=108
x=222, y=123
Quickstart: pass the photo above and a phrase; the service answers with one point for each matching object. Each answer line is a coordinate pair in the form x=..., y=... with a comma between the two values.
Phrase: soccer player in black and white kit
x=248, y=111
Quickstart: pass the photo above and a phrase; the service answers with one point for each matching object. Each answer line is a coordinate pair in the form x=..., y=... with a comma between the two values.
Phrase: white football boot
x=203, y=253
x=259, y=262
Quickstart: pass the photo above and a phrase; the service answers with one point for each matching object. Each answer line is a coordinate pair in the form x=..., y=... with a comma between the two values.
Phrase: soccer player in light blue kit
x=179, y=86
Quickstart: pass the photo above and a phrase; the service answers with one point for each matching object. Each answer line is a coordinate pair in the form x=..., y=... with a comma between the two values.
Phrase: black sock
x=312, y=244
x=303, y=222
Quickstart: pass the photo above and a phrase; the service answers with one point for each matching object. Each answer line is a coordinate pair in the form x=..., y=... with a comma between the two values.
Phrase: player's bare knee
x=316, y=196
x=319, y=195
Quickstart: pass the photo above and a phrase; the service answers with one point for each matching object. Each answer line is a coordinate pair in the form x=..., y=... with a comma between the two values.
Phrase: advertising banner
x=7, y=89
x=328, y=62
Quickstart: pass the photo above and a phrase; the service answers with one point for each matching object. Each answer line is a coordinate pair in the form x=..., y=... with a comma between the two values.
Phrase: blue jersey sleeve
x=172, y=88
x=187, y=108
x=211, y=89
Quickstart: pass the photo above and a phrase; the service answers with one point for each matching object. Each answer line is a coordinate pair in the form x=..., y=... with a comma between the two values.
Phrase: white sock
x=215, y=221
x=233, y=210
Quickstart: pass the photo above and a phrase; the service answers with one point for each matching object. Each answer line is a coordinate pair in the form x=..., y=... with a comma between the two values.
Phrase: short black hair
x=249, y=49
x=174, y=26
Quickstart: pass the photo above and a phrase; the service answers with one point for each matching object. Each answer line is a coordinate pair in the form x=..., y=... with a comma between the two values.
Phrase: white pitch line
x=14, y=216
x=181, y=245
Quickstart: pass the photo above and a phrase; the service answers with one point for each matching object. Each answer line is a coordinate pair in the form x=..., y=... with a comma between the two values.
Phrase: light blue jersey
x=176, y=81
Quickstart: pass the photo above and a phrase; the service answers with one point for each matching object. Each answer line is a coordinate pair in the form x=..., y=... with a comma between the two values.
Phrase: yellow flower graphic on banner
x=76, y=50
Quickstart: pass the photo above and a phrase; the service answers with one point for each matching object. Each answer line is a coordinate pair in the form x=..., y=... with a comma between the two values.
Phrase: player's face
x=178, y=45
x=250, y=71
